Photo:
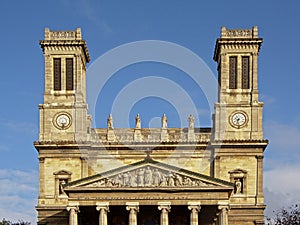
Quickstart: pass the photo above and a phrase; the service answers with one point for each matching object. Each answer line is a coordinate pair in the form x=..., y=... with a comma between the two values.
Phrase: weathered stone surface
x=87, y=173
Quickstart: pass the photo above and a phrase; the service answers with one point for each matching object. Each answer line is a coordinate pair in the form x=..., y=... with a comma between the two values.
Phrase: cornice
x=42, y=145
x=239, y=143
x=236, y=43
x=66, y=43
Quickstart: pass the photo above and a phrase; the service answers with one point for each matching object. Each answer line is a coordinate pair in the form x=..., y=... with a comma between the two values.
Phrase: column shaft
x=132, y=217
x=133, y=208
x=103, y=217
x=164, y=219
x=103, y=209
x=73, y=210
x=195, y=208
x=71, y=217
x=165, y=209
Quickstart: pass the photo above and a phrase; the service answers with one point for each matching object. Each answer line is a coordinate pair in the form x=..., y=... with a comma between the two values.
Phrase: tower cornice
x=237, y=39
x=64, y=38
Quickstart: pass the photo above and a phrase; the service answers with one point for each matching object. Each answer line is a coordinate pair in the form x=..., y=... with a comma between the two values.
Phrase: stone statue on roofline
x=138, y=121
x=191, y=121
x=164, y=121
x=110, y=122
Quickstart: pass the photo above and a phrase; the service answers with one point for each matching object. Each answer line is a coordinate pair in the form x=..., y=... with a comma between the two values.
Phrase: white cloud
x=281, y=178
x=276, y=201
x=18, y=194
x=282, y=187
x=14, y=208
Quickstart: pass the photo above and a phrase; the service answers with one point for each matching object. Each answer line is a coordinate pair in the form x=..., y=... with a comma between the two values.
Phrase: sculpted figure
x=126, y=179
x=238, y=186
x=187, y=181
x=101, y=183
x=148, y=176
x=110, y=122
x=138, y=121
x=191, y=121
x=178, y=180
x=61, y=187
x=118, y=180
x=140, y=178
x=156, y=178
x=133, y=182
x=163, y=182
x=164, y=121
x=200, y=183
x=171, y=180
x=108, y=182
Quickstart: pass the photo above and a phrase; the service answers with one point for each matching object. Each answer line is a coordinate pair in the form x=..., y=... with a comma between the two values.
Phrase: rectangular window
x=69, y=74
x=245, y=72
x=57, y=74
x=232, y=72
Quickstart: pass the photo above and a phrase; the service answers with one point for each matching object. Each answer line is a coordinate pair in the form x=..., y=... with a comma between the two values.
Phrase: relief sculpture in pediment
x=148, y=177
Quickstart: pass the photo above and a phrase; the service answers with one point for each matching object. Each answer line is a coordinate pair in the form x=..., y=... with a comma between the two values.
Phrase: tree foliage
x=7, y=222
x=289, y=216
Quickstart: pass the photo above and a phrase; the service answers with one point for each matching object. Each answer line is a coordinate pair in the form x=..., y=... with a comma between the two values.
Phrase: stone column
x=133, y=208
x=102, y=207
x=165, y=209
x=223, y=216
x=195, y=208
x=73, y=211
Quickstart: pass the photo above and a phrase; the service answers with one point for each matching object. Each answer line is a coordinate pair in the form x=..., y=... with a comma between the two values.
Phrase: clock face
x=238, y=119
x=63, y=121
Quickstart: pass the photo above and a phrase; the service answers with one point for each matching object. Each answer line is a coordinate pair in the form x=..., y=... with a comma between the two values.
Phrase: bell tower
x=238, y=112
x=237, y=133
x=63, y=115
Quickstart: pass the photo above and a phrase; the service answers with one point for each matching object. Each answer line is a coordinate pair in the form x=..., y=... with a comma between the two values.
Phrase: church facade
x=151, y=176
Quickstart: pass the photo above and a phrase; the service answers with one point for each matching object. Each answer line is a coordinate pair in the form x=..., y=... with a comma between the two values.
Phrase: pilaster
x=42, y=177
x=259, y=188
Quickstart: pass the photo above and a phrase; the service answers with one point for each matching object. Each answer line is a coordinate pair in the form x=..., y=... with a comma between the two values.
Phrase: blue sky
x=194, y=25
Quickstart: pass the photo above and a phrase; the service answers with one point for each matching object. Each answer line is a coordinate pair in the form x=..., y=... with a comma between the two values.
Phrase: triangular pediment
x=148, y=174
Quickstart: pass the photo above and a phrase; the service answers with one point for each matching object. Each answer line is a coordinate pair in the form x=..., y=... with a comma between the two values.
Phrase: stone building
x=151, y=176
